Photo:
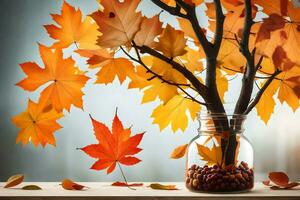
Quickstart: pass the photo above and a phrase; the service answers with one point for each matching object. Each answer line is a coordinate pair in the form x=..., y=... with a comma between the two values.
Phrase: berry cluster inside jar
x=220, y=179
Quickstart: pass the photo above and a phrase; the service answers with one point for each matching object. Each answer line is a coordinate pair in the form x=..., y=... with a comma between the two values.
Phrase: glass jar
x=220, y=157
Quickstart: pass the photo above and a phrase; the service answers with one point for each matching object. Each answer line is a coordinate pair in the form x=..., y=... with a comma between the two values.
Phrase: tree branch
x=172, y=10
x=261, y=91
x=249, y=74
x=192, y=17
x=201, y=89
x=155, y=75
x=219, y=26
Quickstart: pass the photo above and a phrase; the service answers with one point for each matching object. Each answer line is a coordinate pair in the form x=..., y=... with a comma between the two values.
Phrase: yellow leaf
x=158, y=186
x=222, y=83
x=172, y=42
x=211, y=156
x=174, y=112
x=192, y=60
x=179, y=152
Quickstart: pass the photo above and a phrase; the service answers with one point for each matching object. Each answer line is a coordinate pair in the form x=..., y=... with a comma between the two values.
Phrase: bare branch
x=261, y=91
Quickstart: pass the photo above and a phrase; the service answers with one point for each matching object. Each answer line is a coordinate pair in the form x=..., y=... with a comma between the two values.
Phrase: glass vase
x=220, y=157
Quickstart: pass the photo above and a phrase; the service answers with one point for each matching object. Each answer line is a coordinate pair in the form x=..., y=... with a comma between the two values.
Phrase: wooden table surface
x=103, y=191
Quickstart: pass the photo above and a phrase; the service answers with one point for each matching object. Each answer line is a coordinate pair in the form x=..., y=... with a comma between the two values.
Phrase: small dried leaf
x=266, y=182
x=123, y=184
x=14, y=180
x=68, y=184
x=291, y=185
x=157, y=186
x=179, y=152
x=31, y=187
x=279, y=178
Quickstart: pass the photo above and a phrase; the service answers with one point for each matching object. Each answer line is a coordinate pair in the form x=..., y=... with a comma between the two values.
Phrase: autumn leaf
x=279, y=181
x=278, y=7
x=179, y=151
x=187, y=28
x=211, y=156
x=31, y=187
x=37, y=124
x=174, y=113
x=64, y=80
x=119, y=67
x=279, y=178
x=286, y=84
x=158, y=186
x=116, y=146
x=172, y=42
x=123, y=184
x=192, y=60
x=97, y=57
x=68, y=184
x=271, y=23
x=150, y=29
x=118, y=22
x=154, y=87
x=14, y=180
x=72, y=29
x=222, y=84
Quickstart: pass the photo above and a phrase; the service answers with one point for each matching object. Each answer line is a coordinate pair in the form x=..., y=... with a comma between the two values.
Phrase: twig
x=261, y=91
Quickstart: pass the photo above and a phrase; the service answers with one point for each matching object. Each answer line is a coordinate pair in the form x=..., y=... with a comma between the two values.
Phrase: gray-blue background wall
x=276, y=145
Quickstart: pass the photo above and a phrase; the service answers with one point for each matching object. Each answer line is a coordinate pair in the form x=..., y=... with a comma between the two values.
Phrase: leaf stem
x=124, y=176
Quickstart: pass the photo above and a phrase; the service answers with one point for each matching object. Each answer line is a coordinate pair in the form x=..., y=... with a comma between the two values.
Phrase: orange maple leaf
x=172, y=42
x=116, y=146
x=66, y=80
x=71, y=29
x=118, y=22
x=37, y=124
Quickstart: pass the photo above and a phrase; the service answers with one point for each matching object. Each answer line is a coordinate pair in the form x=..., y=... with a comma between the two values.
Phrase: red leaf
x=123, y=184
x=279, y=178
x=114, y=146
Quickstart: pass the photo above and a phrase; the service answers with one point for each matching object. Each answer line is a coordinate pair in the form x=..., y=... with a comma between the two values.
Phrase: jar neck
x=220, y=123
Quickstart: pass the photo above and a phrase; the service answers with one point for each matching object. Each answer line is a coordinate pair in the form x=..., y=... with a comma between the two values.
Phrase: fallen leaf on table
x=179, y=151
x=14, y=180
x=123, y=184
x=31, y=187
x=280, y=181
x=279, y=178
x=68, y=184
x=158, y=186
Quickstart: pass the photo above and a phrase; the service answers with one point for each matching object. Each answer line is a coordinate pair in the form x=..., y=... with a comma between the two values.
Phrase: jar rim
x=206, y=115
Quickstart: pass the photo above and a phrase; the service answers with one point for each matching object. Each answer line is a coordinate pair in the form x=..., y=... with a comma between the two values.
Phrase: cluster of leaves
x=279, y=181
x=160, y=61
x=16, y=180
